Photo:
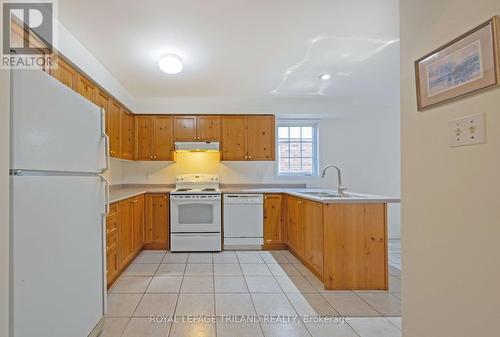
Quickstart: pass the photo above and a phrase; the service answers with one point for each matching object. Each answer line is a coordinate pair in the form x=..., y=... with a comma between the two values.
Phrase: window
x=297, y=148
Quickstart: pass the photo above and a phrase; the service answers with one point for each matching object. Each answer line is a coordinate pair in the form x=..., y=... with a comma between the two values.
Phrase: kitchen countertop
x=121, y=192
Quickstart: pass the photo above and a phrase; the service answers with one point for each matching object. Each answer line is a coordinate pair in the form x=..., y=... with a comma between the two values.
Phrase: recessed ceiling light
x=346, y=54
x=171, y=64
x=325, y=77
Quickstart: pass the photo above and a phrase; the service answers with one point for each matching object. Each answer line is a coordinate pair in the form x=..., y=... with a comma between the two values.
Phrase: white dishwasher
x=243, y=221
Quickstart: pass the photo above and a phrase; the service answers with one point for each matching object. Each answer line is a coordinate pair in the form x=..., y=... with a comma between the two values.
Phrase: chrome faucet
x=340, y=189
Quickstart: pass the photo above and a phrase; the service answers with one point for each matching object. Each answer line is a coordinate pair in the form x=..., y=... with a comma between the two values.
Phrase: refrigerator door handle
x=106, y=181
x=106, y=138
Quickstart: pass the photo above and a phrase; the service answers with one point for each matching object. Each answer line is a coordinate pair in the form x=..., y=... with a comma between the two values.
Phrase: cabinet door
x=185, y=128
x=86, y=88
x=157, y=221
x=208, y=128
x=65, y=73
x=145, y=137
x=260, y=137
x=127, y=134
x=126, y=239
x=102, y=100
x=163, y=138
x=295, y=228
x=114, y=129
x=234, y=138
x=273, y=220
x=138, y=223
x=313, y=234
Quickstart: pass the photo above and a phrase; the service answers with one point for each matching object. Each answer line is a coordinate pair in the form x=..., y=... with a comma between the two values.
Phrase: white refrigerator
x=58, y=206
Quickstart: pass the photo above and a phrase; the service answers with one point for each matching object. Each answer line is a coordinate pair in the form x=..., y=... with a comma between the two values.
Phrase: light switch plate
x=467, y=130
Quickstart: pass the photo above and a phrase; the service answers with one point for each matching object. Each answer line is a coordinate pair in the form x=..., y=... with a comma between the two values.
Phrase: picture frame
x=464, y=66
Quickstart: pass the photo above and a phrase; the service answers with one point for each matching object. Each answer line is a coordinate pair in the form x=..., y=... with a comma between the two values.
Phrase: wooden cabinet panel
x=273, y=221
x=234, y=138
x=185, y=128
x=114, y=129
x=127, y=130
x=65, y=73
x=163, y=138
x=355, y=249
x=157, y=221
x=313, y=234
x=295, y=232
x=138, y=223
x=86, y=88
x=102, y=100
x=208, y=128
x=260, y=137
x=145, y=137
x=126, y=239
x=112, y=265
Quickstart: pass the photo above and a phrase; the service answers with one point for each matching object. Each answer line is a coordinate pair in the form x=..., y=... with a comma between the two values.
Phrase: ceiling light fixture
x=171, y=64
x=325, y=77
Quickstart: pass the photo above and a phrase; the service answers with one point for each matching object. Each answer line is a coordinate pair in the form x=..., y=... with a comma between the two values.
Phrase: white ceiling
x=242, y=48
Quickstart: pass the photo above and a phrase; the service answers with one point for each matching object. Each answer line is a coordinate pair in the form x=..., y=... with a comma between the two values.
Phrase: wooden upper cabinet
x=163, y=138
x=154, y=137
x=65, y=73
x=208, y=128
x=113, y=129
x=86, y=88
x=260, y=137
x=102, y=100
x=248, y=137
x=273, y=221
x=127, y=132
x=234, y=138
x=185, y=128
x=313, y=234
x=157, y=221
x=145, y=137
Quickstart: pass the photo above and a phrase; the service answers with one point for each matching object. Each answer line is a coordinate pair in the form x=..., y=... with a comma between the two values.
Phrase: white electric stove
x=195, y=214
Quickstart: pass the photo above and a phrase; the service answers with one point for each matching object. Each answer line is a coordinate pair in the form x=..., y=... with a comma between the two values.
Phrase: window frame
x=314, y=123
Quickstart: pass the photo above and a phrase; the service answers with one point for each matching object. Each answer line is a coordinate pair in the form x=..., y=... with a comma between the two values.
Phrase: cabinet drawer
x=111, y=226
x=113, y=211
x=112, y=242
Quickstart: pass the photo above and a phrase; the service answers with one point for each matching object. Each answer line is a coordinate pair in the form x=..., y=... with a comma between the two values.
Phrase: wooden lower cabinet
x=295, y=229
x=157, y=221
x=138, y=216
x=355, y=250
x=124, y=235
x=312, y=219
x=274, y=233
x=344, y=244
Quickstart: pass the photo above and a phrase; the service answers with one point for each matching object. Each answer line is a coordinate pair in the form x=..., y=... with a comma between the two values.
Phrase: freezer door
x=57, y=259
x=54, y=128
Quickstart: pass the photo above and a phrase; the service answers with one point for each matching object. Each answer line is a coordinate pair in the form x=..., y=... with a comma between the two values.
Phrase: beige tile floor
x=194, y=292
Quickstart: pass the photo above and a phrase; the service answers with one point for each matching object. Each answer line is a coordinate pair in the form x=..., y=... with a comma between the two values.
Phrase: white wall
x=4, y=200
x=450, y=210
x=73, y=50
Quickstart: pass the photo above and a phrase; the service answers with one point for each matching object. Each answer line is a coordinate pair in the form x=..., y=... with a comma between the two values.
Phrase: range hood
x=197, y=146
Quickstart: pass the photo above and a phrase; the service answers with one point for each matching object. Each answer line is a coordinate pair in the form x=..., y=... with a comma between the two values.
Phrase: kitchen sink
x=326, y=195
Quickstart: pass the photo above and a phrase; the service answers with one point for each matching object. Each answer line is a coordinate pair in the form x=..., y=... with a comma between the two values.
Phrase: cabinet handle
x=164, y=197
x=150, y=157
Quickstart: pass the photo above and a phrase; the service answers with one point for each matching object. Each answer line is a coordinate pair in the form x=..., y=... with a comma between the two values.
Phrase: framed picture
x=463, y=66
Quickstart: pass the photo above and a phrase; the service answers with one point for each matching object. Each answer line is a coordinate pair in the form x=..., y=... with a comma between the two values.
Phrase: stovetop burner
x=184, y=189
x=208, y=190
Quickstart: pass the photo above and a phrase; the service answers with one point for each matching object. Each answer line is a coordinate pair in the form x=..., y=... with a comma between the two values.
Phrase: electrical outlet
x=467, y=130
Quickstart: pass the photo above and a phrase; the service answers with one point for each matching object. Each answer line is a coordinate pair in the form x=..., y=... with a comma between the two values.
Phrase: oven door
x=195, y=213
